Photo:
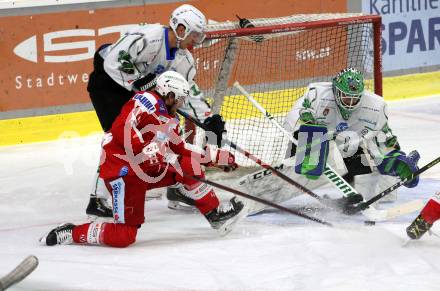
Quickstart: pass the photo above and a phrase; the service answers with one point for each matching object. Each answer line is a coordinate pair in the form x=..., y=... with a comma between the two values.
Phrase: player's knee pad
x=203, y=195
x=119, y=235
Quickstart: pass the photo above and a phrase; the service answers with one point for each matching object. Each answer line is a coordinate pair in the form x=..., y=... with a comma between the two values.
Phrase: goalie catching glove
x=219, y=158
x=312, y=151
x=397, y=163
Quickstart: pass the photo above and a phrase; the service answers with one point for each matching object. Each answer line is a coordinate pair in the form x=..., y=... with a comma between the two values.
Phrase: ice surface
x=45, y=184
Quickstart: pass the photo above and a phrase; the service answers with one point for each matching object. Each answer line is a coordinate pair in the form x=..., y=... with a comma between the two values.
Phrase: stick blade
x=405, y=208
x=378, y=215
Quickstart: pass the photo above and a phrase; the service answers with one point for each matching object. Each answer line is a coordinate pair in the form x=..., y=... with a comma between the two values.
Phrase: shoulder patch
x=307, y=104
x=146, y=101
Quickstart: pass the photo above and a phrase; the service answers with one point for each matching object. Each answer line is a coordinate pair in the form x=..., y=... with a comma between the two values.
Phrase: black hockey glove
x=214, y=127
x=145, y=83
x=246, y=23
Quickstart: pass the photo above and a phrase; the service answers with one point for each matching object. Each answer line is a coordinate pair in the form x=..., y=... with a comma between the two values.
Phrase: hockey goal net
x=275, y=61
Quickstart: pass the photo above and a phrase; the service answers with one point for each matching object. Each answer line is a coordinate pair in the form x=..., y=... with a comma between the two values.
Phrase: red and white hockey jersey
x=140, y=138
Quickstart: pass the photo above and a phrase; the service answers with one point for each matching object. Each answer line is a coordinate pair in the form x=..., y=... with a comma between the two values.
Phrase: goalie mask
x=193, y=20
x=348, y=86
x=171, y=81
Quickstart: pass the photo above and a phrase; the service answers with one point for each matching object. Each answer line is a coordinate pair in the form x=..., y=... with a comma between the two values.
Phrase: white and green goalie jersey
x=367, y=125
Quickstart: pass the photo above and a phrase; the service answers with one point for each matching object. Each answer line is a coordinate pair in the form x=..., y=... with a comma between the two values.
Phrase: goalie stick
x=364, y=205
x=19, y=273
x=371, y=213
x=333, y=177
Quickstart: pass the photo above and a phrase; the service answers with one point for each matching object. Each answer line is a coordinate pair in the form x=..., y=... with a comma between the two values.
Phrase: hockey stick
x=258, y=161
x=364, y=205
x=259, y=200
x=19, y=273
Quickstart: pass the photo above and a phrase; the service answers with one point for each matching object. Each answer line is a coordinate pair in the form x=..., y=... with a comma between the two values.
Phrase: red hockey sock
x=90, y=233
x=431, y=211
x=111, y=234
x=79, y=233
x=119, y=235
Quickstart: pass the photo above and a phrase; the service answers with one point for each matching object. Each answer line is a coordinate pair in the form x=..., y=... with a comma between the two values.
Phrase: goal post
x=275, y=61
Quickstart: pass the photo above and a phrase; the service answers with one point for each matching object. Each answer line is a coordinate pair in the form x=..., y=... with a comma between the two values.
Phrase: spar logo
x=53, y=42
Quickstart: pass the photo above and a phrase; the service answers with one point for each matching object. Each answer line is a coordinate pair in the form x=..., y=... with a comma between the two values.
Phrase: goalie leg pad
x=370, y=185
x=264, y=184
x=312, y=151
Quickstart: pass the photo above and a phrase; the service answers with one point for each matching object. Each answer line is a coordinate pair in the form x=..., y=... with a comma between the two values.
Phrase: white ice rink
x=45, y=184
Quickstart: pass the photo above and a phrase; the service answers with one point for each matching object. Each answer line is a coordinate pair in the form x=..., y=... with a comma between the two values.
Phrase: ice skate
x=418, y=228
x=226, y=215
x=61, y=235
x=178, y=201
x=98, y=207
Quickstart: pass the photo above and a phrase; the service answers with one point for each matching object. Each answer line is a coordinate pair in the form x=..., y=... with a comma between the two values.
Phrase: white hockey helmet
x=171, y=81
x=193, y=20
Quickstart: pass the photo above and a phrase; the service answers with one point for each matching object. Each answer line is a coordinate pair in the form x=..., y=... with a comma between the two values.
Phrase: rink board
x=50, y=127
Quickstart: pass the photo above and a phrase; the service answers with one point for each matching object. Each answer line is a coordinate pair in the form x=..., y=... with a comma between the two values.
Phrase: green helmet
x=348, y=86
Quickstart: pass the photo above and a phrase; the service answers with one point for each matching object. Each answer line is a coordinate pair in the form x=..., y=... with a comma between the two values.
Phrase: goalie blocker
x=312, y=151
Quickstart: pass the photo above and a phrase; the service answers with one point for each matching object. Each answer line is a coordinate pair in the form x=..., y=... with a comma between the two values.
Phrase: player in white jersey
x=132, y=63
x=356, y=119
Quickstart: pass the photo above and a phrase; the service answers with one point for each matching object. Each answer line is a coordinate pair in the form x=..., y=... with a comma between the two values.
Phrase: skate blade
x=229, y=225
x=149, y=198
x=174, y=205
x=408, y=242
x=42, y=240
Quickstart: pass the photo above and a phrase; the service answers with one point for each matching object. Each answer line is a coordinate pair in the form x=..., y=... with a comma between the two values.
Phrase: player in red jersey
x=143, y=151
